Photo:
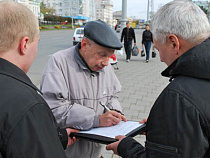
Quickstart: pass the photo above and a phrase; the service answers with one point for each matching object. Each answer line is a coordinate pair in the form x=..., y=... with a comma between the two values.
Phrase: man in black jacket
x=178, y=125
x=128, y=34
x=27, y=126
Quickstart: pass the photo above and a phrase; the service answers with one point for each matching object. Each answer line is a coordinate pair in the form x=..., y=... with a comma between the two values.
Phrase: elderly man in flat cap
x=77, y=79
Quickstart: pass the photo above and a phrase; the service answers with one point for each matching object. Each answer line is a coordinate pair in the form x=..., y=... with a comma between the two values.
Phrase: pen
x=104, y=106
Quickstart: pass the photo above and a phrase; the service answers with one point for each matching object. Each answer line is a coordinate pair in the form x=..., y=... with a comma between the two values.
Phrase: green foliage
x=204, y=10
x=45, y=10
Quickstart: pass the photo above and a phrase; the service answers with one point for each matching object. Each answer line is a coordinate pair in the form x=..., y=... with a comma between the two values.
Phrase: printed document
x=123, y=128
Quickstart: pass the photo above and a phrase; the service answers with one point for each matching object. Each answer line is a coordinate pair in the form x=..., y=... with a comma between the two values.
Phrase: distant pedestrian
x=128, y=34
x=147, y=41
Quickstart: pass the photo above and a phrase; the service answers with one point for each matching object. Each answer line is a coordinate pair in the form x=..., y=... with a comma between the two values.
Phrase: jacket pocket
x=161, y=151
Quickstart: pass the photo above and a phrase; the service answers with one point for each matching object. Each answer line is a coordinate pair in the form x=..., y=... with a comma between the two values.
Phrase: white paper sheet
x=122, y=128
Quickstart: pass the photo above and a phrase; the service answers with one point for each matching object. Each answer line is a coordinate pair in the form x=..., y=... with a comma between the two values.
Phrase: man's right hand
x=110, y=118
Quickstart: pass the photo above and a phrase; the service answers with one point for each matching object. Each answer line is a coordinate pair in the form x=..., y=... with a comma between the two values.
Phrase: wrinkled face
x=164, y=52
x=96, y=56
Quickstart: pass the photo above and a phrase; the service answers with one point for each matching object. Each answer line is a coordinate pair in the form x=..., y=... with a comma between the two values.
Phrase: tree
x=45, y=10
x=204, y=10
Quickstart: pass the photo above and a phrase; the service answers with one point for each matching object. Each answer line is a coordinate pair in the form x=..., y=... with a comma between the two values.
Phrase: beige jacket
x=73, y=93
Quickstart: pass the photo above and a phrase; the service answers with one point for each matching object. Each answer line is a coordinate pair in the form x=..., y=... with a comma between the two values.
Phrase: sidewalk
x=141, y=85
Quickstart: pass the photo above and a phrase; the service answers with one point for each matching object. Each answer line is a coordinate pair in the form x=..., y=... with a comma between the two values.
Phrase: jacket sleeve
x=56, y=93
x=152, y=37
x=142, y=41
x=134, y=37
x=35, y=135
x=175, y=127
x=129, y=148
x=122, y=35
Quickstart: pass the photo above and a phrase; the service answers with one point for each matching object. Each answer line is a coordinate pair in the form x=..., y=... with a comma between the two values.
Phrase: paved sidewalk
x=141, y=85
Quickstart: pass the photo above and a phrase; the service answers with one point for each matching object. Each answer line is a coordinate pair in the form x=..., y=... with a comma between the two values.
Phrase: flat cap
x=102, y=34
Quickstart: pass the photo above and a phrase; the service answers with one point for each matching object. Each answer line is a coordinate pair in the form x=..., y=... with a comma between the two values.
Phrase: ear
x=174, y=43
x=84, y=44
x=24, y=45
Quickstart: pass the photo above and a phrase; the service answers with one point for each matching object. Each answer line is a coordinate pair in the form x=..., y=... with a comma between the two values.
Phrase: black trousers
x=128, y=47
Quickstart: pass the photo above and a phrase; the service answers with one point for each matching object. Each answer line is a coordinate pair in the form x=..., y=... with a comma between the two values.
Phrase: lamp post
x=124, y=15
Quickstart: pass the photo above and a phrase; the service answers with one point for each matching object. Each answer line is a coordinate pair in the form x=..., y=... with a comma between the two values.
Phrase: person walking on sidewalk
x=147, y=41
x=128, y=34
x=27, y=126
x=178, y=125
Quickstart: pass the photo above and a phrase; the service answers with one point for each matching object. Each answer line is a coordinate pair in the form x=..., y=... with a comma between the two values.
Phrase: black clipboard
x=107, y=140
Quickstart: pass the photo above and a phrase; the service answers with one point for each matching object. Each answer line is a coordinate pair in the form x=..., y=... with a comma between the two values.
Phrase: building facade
x=104, y=11
x=78, y=9
x=33, y=5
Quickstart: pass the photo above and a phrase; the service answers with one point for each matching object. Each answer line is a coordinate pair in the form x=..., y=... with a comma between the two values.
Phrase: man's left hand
x=114, y=145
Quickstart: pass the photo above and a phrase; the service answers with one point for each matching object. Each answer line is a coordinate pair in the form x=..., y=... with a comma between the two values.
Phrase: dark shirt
x=27, y=126
x=128, y=34
x=147, y=36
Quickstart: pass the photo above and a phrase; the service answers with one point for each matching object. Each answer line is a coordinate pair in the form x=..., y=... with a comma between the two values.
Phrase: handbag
x=142, y=52
x=153, y=54
x=135, y=51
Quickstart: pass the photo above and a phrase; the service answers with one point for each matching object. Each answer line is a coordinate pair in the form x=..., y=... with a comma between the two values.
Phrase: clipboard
x=103, y=139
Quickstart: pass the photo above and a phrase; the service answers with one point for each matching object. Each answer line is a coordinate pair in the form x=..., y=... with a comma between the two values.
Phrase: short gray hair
x=16, y=21
x=182, y=18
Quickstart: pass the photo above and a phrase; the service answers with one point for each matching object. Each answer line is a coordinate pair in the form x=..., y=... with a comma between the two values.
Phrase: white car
x=78, y=35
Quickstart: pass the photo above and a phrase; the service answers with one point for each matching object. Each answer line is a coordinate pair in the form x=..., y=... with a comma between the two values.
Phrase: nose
x=105, y=62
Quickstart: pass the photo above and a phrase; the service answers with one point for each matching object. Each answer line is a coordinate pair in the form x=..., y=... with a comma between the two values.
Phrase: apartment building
x=33, y=5
x=104, y=11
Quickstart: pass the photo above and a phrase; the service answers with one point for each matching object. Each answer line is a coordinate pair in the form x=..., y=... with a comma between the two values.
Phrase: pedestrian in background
x=147, y=41
x=27, y=126
x=178, y=125
x=128, y=34
x=77, y=79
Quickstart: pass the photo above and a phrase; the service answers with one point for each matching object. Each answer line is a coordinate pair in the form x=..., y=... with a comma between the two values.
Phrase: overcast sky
x=137, y=8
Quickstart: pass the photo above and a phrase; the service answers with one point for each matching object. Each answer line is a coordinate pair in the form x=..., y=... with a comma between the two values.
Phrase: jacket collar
x=11, y=70
x=80, y=60
x=193, y=63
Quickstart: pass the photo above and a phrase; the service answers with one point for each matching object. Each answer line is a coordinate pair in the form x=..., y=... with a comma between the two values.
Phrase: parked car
x=78, y=35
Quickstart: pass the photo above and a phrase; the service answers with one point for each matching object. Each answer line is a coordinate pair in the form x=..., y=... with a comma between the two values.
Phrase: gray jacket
x=73, y=93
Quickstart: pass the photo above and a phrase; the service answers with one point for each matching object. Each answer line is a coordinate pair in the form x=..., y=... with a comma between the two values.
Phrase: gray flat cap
x=102, y=34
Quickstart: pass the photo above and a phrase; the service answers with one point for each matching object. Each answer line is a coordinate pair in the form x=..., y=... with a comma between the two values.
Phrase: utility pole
x=150, y=10
x=124, y=15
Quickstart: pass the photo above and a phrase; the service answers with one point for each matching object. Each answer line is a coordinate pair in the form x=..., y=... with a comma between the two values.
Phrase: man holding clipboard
x=178, y=125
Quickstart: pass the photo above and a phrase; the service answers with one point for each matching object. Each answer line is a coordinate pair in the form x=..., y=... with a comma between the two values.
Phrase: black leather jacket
x=179, y=122
x=27, y=125
x=128, y=35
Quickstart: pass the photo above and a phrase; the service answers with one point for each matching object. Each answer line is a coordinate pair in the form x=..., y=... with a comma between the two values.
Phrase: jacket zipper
x=161, y=147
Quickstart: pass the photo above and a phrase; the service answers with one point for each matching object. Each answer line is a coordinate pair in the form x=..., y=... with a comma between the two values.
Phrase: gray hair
x=182, y=18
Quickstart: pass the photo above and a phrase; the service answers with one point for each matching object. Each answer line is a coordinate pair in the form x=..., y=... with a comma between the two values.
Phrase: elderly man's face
x=165, y=52
x=97, y=57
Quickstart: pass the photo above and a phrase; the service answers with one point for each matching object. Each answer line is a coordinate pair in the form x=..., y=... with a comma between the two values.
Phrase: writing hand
x=110, y=118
